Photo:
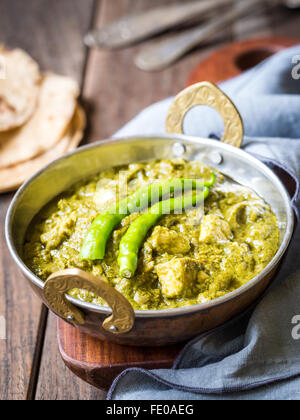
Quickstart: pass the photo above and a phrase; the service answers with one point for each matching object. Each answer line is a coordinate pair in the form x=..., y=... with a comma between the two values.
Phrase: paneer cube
x=177, y=277
x=166, y=240
x=214, y=229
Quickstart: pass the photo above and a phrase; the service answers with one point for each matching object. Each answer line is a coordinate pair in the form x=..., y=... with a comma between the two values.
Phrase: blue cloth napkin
x=257, y=355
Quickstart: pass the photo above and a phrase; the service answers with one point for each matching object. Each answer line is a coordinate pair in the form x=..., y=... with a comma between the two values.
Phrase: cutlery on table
x=159, y=55
x=131, y=29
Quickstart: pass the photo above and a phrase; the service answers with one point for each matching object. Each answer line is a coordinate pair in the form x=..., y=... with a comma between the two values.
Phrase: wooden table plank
x=52, y=32
x=21, y=310
x=115, y=88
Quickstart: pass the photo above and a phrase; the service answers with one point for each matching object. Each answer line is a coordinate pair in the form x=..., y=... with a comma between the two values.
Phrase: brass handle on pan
x=58, y=284
x=206, y=93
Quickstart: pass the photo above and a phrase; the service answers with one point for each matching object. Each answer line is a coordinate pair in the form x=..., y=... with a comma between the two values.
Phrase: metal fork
x=159, y=55
x=131, y=29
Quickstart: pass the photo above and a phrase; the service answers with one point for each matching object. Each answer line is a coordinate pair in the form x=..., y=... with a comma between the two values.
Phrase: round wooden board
x=235, y=58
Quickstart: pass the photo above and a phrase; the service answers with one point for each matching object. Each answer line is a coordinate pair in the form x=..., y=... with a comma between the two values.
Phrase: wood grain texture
x=21, y=310
x=52, y=32
x=100, y=362
x=56, y=381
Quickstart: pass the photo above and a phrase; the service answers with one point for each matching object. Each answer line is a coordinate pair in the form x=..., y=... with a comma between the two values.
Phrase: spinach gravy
x=186, y=259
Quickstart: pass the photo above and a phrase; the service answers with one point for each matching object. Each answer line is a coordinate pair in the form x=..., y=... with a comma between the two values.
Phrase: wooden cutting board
x=98, y=363
x=235, y=58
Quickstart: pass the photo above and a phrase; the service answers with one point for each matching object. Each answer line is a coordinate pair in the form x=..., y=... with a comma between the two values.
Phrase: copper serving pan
x=119, y=323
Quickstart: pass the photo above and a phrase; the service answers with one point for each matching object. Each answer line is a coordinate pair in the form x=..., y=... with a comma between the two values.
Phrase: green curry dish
x=185, y=259
x=94, y=244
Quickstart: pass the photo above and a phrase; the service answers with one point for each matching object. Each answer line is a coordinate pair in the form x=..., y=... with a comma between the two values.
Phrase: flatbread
x=19, y=88
x=13, y=177
x=56, y=107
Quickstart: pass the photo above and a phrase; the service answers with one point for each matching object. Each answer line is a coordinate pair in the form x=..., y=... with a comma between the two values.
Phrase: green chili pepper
x=94, y=245
x=212, y=181
x=133, y=239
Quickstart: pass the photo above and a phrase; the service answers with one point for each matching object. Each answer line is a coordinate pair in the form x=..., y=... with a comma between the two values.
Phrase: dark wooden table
x=114, y=90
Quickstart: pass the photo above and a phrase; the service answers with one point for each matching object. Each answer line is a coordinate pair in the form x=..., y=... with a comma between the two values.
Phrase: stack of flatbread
x=40, y=118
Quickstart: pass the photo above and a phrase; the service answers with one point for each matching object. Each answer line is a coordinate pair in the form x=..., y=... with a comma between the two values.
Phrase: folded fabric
x=257, y=355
